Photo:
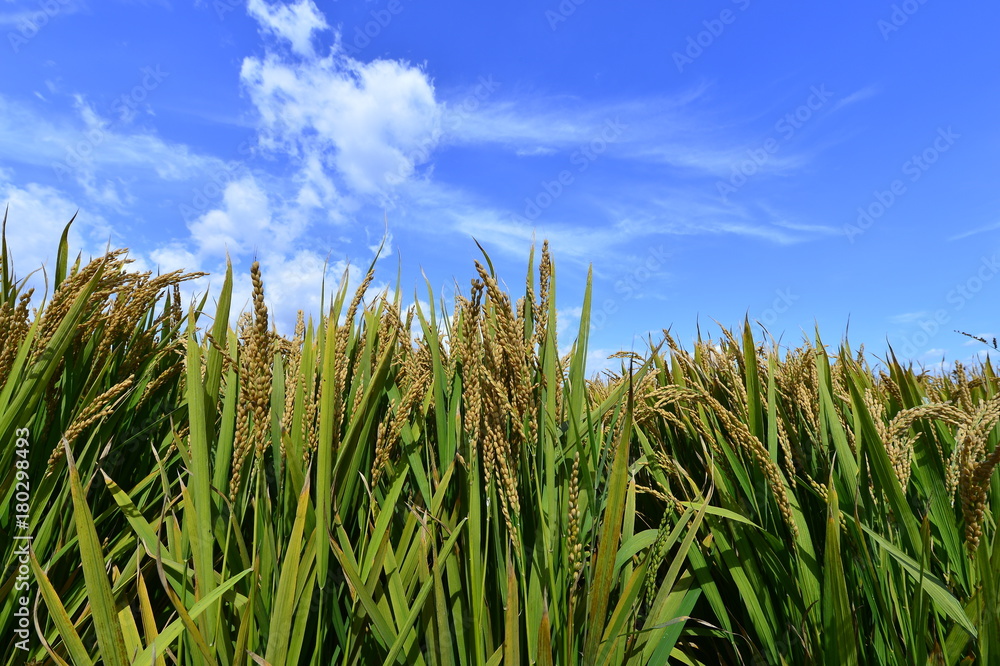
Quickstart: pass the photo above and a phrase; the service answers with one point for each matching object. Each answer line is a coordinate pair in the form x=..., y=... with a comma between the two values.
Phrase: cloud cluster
x=36, y=217
x=340, y=127
x=368, y=121
x=344, y=138
x=294, y=23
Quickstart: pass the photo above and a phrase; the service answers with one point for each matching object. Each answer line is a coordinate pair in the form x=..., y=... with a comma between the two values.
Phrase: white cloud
x=252, y=223
x=37, y=215
x=343, y=126
x=534, y=151
x=978, y=230
x=568, y=321
x=908, y=317
x=27, y=18
x=818, y=229
x=93, y=152
x=373, y=122
x=174, y=256
x=665, y=131
x=527, y=124
x=241, y=224
x=295, y=23
x=628, y=216
x=359, y=129
x=857, y=96
x=676, y=211
x=679, y=133
x=598, y=362
x=293, y=282
x=580, y=243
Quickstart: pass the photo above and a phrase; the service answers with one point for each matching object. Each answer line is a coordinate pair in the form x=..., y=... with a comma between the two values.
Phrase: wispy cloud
x=973, y=232
x=905, y=318
x=654, y=130
x=29, y=15
x=85, y=147
x=684, y=132
x=858, y=96
x=535, y=151
x=295, y=23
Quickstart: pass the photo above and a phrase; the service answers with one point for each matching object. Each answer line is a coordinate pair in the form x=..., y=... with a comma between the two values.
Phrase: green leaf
x=173, y=630
x=102, y=603
x=839, y=637
x=281, y=622
x=604, y=558
x=62, y=257
x=932, y=585
x=64, y=625
x=200, y=478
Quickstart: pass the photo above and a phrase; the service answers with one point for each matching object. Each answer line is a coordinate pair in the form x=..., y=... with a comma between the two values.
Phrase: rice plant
x=400, y=485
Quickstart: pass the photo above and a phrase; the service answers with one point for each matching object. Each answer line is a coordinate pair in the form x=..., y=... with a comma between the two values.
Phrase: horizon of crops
x=394, y=486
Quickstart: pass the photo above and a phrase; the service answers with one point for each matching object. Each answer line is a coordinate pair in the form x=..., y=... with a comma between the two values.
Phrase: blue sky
x=795, y=163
